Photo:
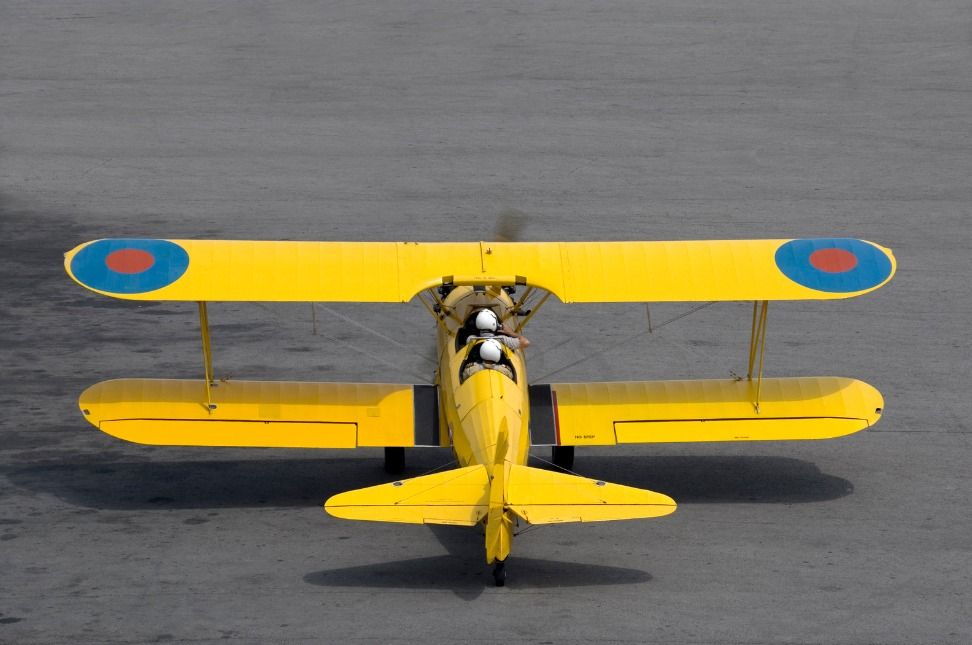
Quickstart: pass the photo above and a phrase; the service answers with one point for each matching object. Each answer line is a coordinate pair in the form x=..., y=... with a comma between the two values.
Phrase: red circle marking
x=833, y=260
x=129, y=261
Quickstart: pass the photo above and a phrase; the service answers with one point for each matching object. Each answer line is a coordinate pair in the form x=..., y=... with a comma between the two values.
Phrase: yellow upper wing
x=203, y=270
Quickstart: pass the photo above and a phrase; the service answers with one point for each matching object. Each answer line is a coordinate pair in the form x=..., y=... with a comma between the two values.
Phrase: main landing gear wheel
x=499, y=573
x=394, y=461
x=562, y=457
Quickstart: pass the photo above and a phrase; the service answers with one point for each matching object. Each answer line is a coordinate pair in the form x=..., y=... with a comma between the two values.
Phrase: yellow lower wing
x=544, y=497
x=270, y=414
x=458, y=496
x=574, y=414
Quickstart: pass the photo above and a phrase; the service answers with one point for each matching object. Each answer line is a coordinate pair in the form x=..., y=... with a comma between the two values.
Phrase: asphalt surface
x=423, y=120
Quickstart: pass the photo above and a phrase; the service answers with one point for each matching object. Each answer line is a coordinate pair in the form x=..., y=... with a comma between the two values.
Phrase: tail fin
x=499, y=521
x=544, y=497
x=458, y=496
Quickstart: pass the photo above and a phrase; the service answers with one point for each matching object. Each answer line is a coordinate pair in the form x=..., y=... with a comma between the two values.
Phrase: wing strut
x=529, y=315
x=207, y=354
x=438, y=310
x=757, y=345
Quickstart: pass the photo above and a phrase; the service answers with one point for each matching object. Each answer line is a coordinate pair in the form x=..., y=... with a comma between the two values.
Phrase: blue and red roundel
x=838, y=265
x=129, y=266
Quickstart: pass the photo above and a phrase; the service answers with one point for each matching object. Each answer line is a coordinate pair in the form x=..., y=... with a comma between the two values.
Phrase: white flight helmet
x=486, y=321
x=490, y=351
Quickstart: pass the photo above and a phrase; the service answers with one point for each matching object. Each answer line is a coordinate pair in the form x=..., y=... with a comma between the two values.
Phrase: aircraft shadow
x=146, y=485
x=128, y=485
x=720, y=479
x=469, y=579
x=464, y=573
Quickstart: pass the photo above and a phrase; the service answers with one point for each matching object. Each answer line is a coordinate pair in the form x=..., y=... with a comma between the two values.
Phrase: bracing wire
x=375, y=332
x=378, y=359
x=624, y=341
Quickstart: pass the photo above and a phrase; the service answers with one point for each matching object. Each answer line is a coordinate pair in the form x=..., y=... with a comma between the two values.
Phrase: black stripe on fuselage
x=543, y=431
x=426, y=401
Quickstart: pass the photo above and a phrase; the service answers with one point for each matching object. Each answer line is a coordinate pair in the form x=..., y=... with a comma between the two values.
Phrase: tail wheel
x=394, y=461
x=562, y=457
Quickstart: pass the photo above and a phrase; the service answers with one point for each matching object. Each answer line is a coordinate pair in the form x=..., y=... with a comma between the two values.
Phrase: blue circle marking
x=873, y=266
x=90, y=268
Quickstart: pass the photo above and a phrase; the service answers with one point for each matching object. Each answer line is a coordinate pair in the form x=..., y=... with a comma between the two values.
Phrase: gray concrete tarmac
x=423, y=120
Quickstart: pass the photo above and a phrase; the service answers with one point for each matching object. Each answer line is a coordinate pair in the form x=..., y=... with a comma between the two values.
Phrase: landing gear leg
x=499, y=573
x=562, y=457
x=394, y=461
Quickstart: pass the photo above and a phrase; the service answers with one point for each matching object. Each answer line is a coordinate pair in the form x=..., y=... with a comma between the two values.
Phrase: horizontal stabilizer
x=545, y=497
x=454, y=497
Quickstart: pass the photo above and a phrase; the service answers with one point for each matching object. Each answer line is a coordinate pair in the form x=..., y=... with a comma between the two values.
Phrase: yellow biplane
x=481, y=403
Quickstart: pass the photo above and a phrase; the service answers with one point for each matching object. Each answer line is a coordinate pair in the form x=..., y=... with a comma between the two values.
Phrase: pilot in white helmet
x=488, y=326
x=490, y=354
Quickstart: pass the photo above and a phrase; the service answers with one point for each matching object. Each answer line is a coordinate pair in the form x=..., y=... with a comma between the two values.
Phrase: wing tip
x=835, y=268
x=132, y=269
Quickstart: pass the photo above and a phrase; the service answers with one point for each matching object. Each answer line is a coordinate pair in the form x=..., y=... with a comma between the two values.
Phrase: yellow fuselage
x=487, y=416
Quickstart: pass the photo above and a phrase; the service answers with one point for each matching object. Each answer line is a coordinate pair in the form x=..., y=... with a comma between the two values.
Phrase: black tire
x=499, y=573
x=394, y=461
x=562, y=457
